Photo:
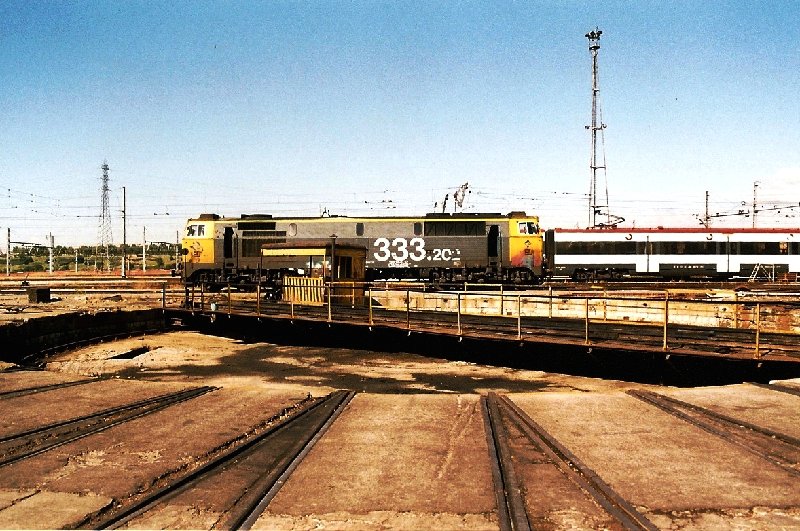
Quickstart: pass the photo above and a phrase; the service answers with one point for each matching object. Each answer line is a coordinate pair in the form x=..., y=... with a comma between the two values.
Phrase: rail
x=763, y=325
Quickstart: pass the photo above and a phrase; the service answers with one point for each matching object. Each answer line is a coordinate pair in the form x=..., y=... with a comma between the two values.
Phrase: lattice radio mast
x=597, y=163
x=104, y=231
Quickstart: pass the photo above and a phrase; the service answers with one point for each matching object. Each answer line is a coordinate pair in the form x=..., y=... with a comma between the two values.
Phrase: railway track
x=777, y=448
x=19, y=446
x=513, y=496
x=43, y=388
x=240, y=480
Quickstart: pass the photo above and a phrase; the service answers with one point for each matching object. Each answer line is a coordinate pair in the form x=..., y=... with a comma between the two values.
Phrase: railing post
x=758, y=330
x=163, y=296
x=586, y=335
x=258, y=298
x=408, y=309
x=291, y=307
x=192, y=301
x=330, y=296
x=458, y=300
x=202, y=298
x=352, y=295
x=502, y=301
x=519, y=316
x=550, y=306
x=370, y=305
x=736, y=309
x=229, y=300
x=666, y=317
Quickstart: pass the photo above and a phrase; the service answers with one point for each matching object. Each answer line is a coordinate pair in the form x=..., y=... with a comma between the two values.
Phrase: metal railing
x=756, y=324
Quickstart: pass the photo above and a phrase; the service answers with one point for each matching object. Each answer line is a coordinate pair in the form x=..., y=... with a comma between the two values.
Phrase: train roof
x=332, y=218
x=683, y=230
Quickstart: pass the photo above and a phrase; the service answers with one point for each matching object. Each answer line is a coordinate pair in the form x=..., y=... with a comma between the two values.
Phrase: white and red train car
x=671, y=253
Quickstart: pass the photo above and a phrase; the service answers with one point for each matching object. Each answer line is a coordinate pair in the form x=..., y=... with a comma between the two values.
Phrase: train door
x=228, y=249
x=493, y=243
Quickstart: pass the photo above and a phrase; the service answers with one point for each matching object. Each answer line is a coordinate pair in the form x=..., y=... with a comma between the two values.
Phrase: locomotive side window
x=455, y=228
x=417, y=228
x=359, y=229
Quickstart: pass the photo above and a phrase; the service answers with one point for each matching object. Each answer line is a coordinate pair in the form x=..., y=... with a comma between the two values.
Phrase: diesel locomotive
x=450, y=248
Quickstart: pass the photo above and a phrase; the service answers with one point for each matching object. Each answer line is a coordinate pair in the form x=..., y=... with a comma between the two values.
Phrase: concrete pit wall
x=29, y=342
x=733, y=313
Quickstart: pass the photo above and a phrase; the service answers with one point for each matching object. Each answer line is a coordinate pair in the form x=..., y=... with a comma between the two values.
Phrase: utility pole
x=595, y=127
x=755, y=206
x=8, y=253
x=706, y=218
x=124, y=234
x=50, y=247
x=105, y=237
x=144, y=248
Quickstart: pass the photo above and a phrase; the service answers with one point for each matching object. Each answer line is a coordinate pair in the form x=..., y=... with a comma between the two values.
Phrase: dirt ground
x=409, y=452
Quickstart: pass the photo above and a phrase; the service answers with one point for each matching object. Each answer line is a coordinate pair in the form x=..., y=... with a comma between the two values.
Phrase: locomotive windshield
x=528, y=227
x=195, y=230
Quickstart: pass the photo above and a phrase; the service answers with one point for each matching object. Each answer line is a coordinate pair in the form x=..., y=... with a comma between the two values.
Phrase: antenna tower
x=104, y=231
x=595, y=163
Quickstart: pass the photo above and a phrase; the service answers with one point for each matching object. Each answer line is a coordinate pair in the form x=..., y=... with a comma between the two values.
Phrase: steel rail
x=511, y=511
x=779, y=387
x=583, y=476
x=23, y=445
x=43, y=388
x=118, y=514
x=254, y=512
x=762, y=442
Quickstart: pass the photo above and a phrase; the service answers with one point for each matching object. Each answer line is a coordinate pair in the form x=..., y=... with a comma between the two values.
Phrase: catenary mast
x=104, y=230
x=597, y=163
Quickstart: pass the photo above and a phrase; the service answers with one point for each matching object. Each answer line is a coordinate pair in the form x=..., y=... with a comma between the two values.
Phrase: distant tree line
x=89, y=258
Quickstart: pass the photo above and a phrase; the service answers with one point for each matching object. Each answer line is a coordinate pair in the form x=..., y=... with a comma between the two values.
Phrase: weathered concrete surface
x=395, y=454
x=661, y=464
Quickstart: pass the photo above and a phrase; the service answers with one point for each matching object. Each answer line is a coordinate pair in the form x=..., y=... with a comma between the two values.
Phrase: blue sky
x=384, y=107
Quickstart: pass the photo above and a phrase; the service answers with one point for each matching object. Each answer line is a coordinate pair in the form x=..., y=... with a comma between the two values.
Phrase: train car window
x=292, y=229
x=527, y=227
x=704, y=247
x=359, y=229
x=191, y=230
x=598, y=248
x=756, y=248
x=201, y=230
x=783, y=248
x=417, y=228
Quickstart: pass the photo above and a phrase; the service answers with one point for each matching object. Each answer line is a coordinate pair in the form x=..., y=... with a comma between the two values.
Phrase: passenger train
x=672, y=253
x=433, y=248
